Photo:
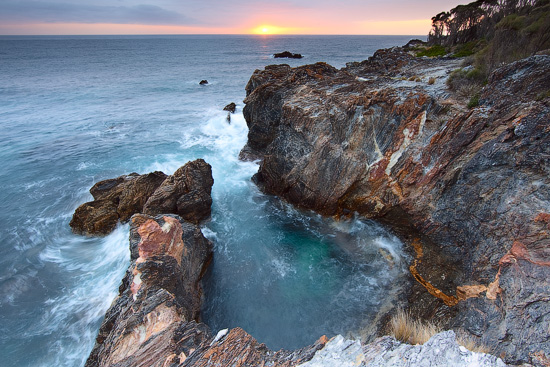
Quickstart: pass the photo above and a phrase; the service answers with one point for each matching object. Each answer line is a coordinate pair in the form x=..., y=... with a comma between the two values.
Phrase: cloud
x=57, y=12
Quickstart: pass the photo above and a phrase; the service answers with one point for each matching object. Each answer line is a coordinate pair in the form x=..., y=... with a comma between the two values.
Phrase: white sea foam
x=94, y=268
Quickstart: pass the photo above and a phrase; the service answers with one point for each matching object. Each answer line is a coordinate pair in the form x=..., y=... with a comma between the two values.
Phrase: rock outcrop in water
x=473, y=186
x=287, y=55
x=154, y=322
x=187, y=193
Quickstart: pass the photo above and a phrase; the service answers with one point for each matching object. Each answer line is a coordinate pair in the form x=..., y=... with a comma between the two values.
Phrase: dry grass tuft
x=431, y=80
x=407, y=330
x=470, y=343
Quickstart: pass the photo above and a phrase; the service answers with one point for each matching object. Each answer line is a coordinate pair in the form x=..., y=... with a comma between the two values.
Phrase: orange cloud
x=288, y=26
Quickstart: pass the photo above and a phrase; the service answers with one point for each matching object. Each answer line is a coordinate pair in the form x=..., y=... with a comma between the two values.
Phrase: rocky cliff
x=468, y=189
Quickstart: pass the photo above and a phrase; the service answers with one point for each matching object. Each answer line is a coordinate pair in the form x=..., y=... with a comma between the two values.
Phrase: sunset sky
x=52, y=17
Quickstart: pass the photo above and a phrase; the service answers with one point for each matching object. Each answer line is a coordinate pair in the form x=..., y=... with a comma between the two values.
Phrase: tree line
x=475, y=20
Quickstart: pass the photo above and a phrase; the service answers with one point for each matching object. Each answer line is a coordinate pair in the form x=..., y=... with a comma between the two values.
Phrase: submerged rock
x=473, y=185
x=203, y=82
x=186, y=193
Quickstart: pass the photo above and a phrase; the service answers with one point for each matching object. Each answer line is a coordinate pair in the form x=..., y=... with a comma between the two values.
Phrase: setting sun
x=268, y=29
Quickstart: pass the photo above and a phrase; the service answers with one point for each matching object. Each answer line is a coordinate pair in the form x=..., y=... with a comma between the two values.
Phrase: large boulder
x=186, y=193
x=114, y=199
x=469, y=188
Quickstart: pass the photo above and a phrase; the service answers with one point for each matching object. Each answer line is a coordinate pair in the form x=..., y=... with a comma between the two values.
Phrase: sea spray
x=94, y=269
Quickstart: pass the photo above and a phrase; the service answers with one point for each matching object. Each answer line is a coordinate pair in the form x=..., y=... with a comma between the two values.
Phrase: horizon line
x=207, y=34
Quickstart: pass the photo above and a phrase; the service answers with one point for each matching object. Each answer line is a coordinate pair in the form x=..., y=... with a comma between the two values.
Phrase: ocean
x=80, y=109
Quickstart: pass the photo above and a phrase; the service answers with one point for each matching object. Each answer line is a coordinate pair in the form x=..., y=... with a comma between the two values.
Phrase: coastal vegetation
x=487, y=34
x=407, y=329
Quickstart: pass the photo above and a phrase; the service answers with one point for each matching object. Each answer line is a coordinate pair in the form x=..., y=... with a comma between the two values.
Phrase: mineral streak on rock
x=186, y=193
x=154, y=318
x=475, y=183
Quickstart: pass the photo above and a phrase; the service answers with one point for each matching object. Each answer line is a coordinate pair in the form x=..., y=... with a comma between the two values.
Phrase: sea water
x=77, y=110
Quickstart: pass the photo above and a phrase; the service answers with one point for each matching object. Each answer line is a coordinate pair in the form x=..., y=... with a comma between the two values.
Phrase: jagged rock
x=472, y=184
x=440, y=351
x=338, y=352
x=287, y=55
x=230, y=107
x=186, y=193
x=203, y=82
x=238, y=348
x=153, y=320
x=114, y=199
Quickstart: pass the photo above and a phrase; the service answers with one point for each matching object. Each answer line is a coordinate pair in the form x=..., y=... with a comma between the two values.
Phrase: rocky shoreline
x=155, y=320
x=466, y=189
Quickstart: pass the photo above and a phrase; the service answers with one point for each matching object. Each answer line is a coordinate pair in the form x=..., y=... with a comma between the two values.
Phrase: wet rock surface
x=472, y=185
x=232, y=107
x=186, y=193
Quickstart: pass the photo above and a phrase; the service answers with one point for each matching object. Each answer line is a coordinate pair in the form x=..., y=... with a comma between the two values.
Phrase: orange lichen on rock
x=464, y=292
x=543, y=218
x=494, y=288
x=448, y=300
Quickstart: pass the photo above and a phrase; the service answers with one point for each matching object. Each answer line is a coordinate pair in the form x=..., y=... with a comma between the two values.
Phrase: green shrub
x=434, y=51
x=463, y=76
x=467, y=49
x=474, y=101
x=513, y=21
